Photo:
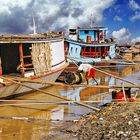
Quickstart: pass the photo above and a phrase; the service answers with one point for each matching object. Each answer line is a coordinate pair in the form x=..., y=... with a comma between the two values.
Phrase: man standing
x=88, y=71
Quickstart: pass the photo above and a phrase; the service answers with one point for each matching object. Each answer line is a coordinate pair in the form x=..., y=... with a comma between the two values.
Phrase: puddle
x=56, y=109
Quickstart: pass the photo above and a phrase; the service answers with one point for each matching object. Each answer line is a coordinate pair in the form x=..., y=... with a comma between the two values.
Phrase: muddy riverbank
x=38, y=116
x=114, y=122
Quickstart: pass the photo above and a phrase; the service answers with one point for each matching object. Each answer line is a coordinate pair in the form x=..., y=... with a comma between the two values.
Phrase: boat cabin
x=88, y=35
x=89, y=42
x=12, y=54
x=30, y=55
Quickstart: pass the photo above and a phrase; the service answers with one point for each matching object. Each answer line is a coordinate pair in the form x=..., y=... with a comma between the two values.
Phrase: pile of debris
x=114, y=122
x=121, y=121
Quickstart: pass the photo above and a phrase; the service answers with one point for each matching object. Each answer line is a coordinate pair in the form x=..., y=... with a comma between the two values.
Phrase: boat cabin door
x=10, y=59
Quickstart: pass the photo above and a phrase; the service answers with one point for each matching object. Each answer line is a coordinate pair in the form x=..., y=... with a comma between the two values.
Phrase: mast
x=91, y=21
x=34, y=26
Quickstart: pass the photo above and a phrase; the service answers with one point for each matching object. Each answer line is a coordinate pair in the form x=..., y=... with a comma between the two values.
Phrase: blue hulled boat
x=89, y=44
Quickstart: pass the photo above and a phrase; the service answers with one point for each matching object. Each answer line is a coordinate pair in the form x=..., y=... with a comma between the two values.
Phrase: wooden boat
x=131, y=53
x=33, y=56
x=89, y=45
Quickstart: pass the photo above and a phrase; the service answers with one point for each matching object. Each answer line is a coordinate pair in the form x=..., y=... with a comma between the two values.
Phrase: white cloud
x=122, y=35
x=133, y=5
x=136, y=40
x=135, y=17
x=117, y=18
x=54, y=14
x=5, y=5
x=88, y=7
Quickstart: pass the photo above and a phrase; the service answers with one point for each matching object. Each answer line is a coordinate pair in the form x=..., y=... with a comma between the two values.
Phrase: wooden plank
x=48, y=93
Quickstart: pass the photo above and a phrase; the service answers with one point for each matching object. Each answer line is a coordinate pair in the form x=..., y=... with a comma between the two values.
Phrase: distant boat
x=89, y=45
x=130, y=52
x=33, y=56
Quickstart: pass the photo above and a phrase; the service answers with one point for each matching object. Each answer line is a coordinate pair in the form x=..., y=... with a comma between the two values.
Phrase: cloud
x=133, y=5
x=135, y=17
x=122, y=35
x=117, y=18
x=136, y=40
x=7, y=5
x=16, y=15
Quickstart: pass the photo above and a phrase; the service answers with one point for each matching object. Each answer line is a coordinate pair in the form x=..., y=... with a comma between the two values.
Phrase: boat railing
x=92, y=42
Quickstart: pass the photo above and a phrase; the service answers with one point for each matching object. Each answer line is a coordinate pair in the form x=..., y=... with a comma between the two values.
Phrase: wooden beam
x=48, y=93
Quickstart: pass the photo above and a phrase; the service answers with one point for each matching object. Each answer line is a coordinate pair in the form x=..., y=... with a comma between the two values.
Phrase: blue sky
x=124, y=14
x=121, y=17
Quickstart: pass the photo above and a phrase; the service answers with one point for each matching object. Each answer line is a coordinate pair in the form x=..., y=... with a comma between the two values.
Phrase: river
x=31, y=121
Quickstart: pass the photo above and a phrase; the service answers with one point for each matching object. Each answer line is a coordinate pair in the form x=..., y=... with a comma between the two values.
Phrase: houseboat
x=89, y=45
x=32, y=56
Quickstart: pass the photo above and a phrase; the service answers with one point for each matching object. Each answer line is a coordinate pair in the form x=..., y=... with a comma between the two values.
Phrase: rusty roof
x=30, y=38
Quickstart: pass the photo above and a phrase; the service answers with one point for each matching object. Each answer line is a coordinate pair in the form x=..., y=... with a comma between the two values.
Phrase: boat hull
x=17, y=90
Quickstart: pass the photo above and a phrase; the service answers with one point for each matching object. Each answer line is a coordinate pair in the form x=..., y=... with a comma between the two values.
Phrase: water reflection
x=17, y=129
x=23, y=130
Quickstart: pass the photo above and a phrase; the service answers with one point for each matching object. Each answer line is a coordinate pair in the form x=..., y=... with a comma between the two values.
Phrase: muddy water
x=15, y=126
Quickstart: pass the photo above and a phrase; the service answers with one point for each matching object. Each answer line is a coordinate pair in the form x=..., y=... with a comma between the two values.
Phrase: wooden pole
x=73, y=61
x=21, y=59
x=122, y=63
x=44, y=101
x=75, y=85
x=115, y=76
x=123, y=92
x=48, y=93
x=97, y=69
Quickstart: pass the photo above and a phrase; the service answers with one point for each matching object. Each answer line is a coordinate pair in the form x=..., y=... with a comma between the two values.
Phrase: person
x=88, y=70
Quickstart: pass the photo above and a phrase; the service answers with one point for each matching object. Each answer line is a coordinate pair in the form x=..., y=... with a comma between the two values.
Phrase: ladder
x=23, y=66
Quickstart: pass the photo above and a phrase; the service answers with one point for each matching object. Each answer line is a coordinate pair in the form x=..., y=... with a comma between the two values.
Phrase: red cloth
x=0, y=71
x=131, y=99
x=90, y=74
x=120, y=96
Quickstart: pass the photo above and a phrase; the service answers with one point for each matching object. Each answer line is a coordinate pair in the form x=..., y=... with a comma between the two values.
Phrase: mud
x=116, y=121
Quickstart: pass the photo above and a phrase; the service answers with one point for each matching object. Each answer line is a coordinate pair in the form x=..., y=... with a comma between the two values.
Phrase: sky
x=121, y=17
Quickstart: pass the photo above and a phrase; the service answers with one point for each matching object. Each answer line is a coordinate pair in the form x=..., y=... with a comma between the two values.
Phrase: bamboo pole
x=58, y=103
x=48, y=93
x=73, y=61
x=75, y=85
x=44, y=101
x=124, y=92
x=97, y=69
x=101, y=66
x=123, y=63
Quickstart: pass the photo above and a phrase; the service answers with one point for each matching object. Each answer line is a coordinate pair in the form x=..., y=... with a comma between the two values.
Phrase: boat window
x=97, y=49
x=76, y=50
x=72, y=31
x=71, y=49
x=92, y=49
x=87, y=49
x=83, y=49
x=86, y=31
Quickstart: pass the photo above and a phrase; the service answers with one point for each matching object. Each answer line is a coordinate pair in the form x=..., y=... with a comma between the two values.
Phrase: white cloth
x=85, y=67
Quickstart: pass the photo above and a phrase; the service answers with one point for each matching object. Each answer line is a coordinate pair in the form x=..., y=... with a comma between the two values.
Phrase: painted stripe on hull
x=14, y=89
